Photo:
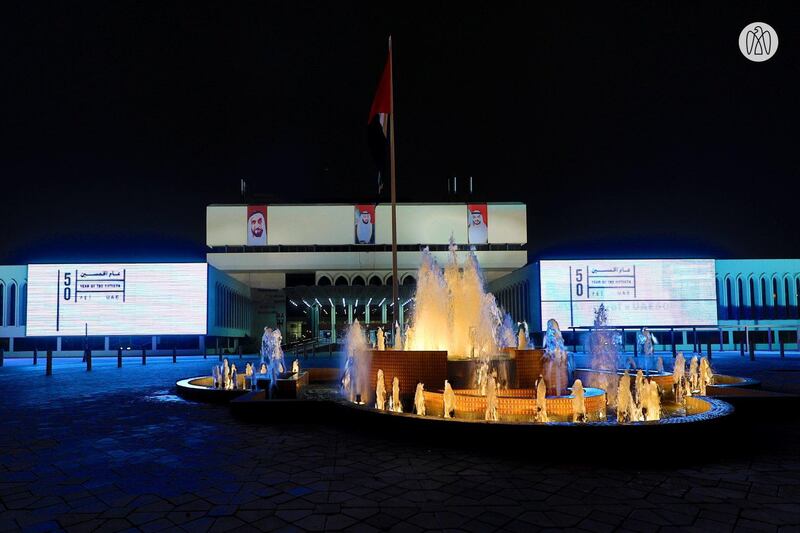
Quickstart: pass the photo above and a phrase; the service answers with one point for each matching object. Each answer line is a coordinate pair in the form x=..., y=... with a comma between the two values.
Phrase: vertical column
x=10, y=344
x=383, y=313
x=201, y=344
x=315, y=322
x=333, y=323
x=366, y=314
x=106, y=344
x=153, y=343
x=349, y=313
x=400, y=314
x=58, y=344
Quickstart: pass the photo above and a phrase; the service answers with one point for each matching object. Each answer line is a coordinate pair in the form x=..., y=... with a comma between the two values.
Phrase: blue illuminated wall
x=230, y=306
x=754, y=291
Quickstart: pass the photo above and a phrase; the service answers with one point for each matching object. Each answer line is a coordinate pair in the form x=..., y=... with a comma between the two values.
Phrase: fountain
x=380, y=392
x=491, y=399
x=449, y=400
x=396, y=405
x=706, y=375
x=578, y=402
x=541, y=401
x=625, y=406
x=381, y=340
x=490, y=371
x=356, y=367
x=555, y=357
x=419, y=399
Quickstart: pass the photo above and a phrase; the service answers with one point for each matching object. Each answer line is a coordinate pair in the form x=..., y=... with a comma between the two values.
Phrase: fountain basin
x=516, y=404
x=697, y=410
x=200, y=389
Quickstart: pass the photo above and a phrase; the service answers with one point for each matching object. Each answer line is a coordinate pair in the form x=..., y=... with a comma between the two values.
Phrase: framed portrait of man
x=477, y=224
x=256, y=225
x=364, y=224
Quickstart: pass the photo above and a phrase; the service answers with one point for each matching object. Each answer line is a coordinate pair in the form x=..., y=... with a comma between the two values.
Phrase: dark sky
x=633, y=128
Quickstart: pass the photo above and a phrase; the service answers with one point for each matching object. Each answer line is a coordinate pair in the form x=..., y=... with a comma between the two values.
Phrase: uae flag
x=378, y=133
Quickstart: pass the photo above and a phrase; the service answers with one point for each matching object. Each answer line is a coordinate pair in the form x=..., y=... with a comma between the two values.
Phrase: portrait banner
x=477, y=224
x=364, y=224
x=256, y=225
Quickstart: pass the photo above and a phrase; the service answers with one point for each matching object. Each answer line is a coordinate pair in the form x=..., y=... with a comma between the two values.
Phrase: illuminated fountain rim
x=199, y=389
x=712, y=409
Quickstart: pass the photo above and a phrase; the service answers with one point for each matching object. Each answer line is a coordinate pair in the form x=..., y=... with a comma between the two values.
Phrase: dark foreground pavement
x=115, y=449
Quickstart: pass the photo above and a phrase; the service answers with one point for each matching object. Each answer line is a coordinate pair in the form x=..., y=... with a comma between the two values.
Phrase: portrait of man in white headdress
x=365, y=224
x=477, y=224
x=256, y=225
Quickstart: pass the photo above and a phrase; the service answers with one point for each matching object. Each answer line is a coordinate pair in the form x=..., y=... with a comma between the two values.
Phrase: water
x=555, y=359
x=453, y=312
x=380, y=392
x=356, y=365
x=603, y=348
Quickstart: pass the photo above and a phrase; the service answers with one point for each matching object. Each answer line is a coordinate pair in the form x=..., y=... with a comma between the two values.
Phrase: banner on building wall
x=256, y=225
x=477, y=224
x=364, y=224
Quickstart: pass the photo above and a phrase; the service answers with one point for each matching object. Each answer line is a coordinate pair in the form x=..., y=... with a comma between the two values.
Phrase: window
x=775, y=310
x=341, y=280
x=729, y=298
x=787, y=298
x=12, y=304
x=23, y=307
x=358, y=280
x=324, y=281
x=409, y=280
x=375, y=281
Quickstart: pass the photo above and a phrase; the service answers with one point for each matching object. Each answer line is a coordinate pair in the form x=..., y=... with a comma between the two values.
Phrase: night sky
x=629, y=129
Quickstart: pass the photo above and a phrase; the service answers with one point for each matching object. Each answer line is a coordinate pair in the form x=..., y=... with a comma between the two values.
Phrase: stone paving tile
x=114, y=450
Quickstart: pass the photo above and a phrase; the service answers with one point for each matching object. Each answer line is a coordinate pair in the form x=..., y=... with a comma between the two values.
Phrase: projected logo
x=117, y=299
x=758, y=41
x=635, y=292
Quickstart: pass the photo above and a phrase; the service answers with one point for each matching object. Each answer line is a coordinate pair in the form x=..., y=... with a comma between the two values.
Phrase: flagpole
x=393, y=188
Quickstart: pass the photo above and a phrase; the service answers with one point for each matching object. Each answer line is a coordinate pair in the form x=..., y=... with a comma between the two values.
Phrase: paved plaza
x=114, y=449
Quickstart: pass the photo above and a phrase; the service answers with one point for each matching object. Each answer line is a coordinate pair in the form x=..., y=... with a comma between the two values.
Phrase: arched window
x=324, y=281
x=389, y=280
x=341, y=280
x=409, y=280
x=375, y=281
x=796, y=297
x=751, y=299
x=740, y=299
x=775, y=310
x=23, y=305
x=358, y=280
x=787, y=298
x=12, y=304
x=763, y=299
x=729, y=298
